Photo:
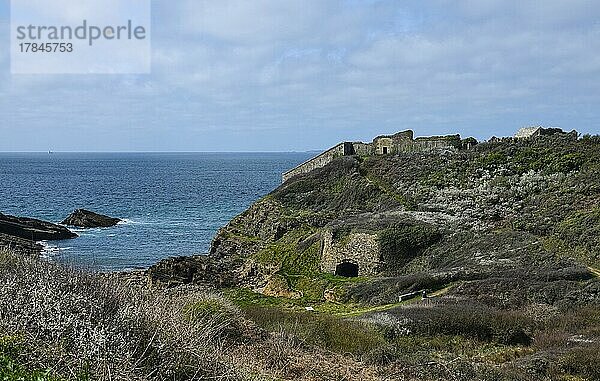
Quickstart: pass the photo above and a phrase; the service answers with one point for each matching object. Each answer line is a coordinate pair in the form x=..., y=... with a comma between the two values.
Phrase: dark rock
x=198, y=269
x=19, y=245
x=85, y=219
x=32, y=229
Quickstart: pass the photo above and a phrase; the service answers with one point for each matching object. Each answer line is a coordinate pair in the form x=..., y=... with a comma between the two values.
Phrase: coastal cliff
x=505, y=211
x=479, y=263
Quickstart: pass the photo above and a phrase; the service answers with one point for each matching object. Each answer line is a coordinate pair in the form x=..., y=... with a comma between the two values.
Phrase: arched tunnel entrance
x=347, y=269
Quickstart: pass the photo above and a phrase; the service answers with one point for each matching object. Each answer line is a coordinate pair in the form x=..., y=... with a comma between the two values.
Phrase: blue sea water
x=172, y=204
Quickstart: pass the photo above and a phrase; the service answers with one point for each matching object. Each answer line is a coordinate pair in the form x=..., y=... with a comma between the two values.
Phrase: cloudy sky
x=293, y=75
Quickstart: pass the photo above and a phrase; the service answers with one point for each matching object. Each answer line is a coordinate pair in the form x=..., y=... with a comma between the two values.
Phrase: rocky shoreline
x=22, y=234
x=19, y=245
x=33, y=229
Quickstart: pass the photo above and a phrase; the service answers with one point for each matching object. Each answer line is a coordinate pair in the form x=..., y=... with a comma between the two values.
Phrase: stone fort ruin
x=537, y=131
x=359, y=253
x=382, y=145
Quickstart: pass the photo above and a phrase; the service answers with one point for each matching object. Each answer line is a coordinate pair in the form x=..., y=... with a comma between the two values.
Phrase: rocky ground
x=33, y=229
x=22, y=235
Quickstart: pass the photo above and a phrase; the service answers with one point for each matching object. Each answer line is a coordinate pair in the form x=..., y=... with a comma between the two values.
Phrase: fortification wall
x=362, y=149
x=403, y=135
x=361, y=249
x=432, y=145
x=401, y=142
x=318, y=161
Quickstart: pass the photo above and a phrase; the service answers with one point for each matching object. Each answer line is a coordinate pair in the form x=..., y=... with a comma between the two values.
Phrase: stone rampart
x=401, y=142
x=318, y=161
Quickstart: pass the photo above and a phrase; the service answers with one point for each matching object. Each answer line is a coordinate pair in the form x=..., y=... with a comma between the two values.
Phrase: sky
x=296, y=75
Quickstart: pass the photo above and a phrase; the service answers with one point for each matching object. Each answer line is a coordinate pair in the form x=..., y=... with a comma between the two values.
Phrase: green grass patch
x=297, y=252
x=11, y=369
x=245, y=298
x=214, y=309
x=240, y=237
x=402, y=243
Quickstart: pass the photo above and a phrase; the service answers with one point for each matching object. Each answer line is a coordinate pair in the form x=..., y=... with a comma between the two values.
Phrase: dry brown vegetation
x=57, y=323
x=78, y=326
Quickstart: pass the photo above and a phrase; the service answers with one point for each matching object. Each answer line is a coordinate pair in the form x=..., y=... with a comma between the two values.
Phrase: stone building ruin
x=360, y=253
x=382, y=145
x=537, y=131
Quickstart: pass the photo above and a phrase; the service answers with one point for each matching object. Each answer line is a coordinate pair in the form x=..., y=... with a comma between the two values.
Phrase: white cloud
x=320, y=69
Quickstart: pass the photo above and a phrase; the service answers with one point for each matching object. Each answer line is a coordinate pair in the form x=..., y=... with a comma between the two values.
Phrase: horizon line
x=58, y=152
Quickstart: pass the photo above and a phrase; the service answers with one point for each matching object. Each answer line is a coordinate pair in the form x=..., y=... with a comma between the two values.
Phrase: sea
x=171, y=204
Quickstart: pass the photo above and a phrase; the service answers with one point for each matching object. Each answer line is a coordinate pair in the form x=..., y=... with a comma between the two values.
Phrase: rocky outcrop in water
x=86, y=219
x=33, y=229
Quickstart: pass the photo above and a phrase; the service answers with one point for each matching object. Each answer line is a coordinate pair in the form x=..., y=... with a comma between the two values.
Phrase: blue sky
x=293, y=75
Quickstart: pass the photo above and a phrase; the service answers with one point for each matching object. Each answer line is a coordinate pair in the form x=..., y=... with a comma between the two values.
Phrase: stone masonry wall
x=400, y=142
x=362, y=149
x=424, y=145
x=316, y=162
x=361, y=249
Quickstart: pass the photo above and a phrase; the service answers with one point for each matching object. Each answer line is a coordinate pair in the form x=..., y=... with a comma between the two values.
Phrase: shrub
x=218, y=310
x=581, y=232
x=402, y=243
x=582, y=362
x=73, y=322
x=12, y=348
x=325, y=331
x=469, y=320
x=386, y=290
x=493, y=160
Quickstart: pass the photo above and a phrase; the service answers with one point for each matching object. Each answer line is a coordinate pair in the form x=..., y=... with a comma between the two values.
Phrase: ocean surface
x=172, y=204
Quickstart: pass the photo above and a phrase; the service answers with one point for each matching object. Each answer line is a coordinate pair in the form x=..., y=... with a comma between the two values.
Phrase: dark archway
x=347, y=269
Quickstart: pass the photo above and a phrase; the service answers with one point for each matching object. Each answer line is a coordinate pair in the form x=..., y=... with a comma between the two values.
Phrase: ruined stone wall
x=318, y=161
x=428, y=144
x=434, y=144
x=361, y=249
x=401, y=142
x=528, y=132
x=403, y=135
x=383, y=145
x=362, y=149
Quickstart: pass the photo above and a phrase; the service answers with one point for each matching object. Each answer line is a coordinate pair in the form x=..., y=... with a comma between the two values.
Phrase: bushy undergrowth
x=10, y=369
x=73, y=325
x=386, y=290
x=582, y=361
x=581, y=232
x=402, y=243
x=466, y=319
x=337, y=186
x=320, y=330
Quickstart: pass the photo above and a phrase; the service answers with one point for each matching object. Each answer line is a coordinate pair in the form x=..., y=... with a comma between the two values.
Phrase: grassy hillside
x=58, y=324
x=479, y=211
x=504, y=235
